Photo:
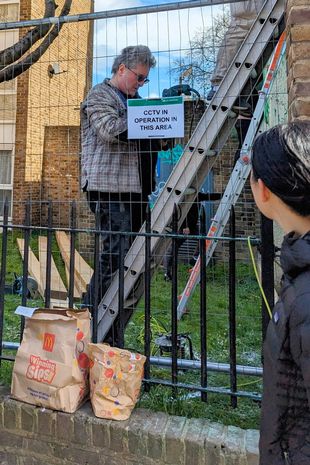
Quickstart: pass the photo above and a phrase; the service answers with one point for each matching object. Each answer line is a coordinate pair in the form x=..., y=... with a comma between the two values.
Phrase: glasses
x=140, y=77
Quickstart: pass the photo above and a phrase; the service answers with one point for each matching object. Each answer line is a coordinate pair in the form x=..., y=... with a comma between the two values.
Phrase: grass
x=217, y=409
x=159, y=398
x=248, y=341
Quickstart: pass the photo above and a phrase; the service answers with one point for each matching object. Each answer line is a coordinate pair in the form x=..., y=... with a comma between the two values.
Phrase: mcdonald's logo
x=48, y=342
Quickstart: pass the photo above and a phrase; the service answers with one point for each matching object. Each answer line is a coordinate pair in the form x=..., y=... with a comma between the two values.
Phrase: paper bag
x=51, y=368
x=115, y=381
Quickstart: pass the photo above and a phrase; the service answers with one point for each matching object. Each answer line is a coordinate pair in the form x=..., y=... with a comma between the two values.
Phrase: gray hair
x=134, y=55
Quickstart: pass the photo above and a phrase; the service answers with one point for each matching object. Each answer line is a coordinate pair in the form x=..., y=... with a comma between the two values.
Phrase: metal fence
x=174, y=359
x=40, y=159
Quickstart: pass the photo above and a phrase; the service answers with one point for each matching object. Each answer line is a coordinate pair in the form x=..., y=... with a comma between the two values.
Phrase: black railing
x=175, y=361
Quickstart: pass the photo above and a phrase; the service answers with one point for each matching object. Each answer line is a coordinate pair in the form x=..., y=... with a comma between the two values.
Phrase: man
x=243, y=15
x=117, y=173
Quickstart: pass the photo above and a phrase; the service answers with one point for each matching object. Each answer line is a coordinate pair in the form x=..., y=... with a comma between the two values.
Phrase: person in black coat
x=280, y=182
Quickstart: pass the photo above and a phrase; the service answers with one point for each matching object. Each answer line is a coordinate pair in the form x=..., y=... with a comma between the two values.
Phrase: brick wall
x=44, y=101
x=19, y=185
x=60, y=172
x=298, y=55
x=34, y=436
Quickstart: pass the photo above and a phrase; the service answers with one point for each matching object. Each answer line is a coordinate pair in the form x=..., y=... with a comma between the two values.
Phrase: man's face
x=131, y=79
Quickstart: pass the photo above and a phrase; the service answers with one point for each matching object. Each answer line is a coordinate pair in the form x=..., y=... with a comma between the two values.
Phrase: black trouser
x=117, y=216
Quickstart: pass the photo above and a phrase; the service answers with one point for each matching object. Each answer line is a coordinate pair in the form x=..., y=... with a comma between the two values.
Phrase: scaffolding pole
x=115, y=13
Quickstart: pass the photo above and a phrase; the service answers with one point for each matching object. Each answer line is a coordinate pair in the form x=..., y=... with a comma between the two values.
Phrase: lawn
x=248, y=342
x=187, y=403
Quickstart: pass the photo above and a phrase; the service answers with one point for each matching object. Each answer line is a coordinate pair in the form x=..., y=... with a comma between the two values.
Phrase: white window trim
x=6, y=187
x=8, y=91
x=9, y=187
x=9, y=2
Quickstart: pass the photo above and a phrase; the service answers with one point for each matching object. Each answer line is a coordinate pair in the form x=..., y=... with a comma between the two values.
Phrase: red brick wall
x=298, y=55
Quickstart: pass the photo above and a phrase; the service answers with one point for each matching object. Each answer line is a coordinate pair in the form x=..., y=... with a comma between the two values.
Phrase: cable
x=257, y=277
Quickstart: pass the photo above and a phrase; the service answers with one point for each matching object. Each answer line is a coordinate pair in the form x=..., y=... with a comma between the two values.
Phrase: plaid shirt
x=108, y=164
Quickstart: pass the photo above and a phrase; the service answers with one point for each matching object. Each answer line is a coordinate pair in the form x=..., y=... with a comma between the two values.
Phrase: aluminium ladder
x=200, y=153
x=238, y=177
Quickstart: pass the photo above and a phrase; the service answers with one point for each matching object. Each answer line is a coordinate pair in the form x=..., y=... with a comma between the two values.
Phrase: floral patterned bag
x=115, y=380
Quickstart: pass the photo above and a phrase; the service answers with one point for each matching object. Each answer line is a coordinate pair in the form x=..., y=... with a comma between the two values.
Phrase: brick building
x=44, y=119
x=8, y=12
x=298, y=58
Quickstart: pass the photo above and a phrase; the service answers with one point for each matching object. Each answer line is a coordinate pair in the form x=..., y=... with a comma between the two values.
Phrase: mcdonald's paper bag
x=51, y=368
x=115, y=381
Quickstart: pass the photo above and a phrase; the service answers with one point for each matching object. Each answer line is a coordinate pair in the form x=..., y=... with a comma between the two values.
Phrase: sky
x=168, y=34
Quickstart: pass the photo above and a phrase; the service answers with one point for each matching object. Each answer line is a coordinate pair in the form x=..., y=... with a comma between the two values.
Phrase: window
x=7, y=107
x=8, y=86
x=5, y=167
x=8, y=38
x=9, y=12
x=5, y=195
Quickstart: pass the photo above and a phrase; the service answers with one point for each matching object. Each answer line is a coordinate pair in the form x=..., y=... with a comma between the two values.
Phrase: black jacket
x=285, y=419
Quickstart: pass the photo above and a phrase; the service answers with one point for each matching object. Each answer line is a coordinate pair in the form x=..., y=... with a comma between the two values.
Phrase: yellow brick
x=300, y=33
x=44, y=102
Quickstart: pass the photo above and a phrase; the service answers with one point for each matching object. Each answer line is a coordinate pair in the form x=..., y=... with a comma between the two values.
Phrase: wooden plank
x=82, y=271
x=77, y=293
x=58, y=289
x=33, y=266
x=55, y=303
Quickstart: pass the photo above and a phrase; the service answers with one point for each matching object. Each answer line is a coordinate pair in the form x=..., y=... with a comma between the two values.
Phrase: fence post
x=267, y=257
x=120, y=327
x=97, y=273
x=203, y=303
x=147, y=305
x=3, y=267
x=174, y=303
x=232, y=308
x=72, y=253
x=25, y=264
x=47, y=295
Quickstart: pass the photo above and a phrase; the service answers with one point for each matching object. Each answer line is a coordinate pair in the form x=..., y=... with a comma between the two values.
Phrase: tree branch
x=16, y=51
x=15, y=70
x=202, y=55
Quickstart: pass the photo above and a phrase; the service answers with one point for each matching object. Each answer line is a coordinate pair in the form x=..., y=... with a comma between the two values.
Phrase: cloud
x=168, y=34
x=105, y=5
x=164, y=31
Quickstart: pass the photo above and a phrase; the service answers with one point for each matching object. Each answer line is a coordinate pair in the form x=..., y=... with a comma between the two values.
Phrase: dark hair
x=281, y=159
x=132, y=56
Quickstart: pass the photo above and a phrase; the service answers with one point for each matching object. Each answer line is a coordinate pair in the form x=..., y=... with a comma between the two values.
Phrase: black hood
x=295, y=253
